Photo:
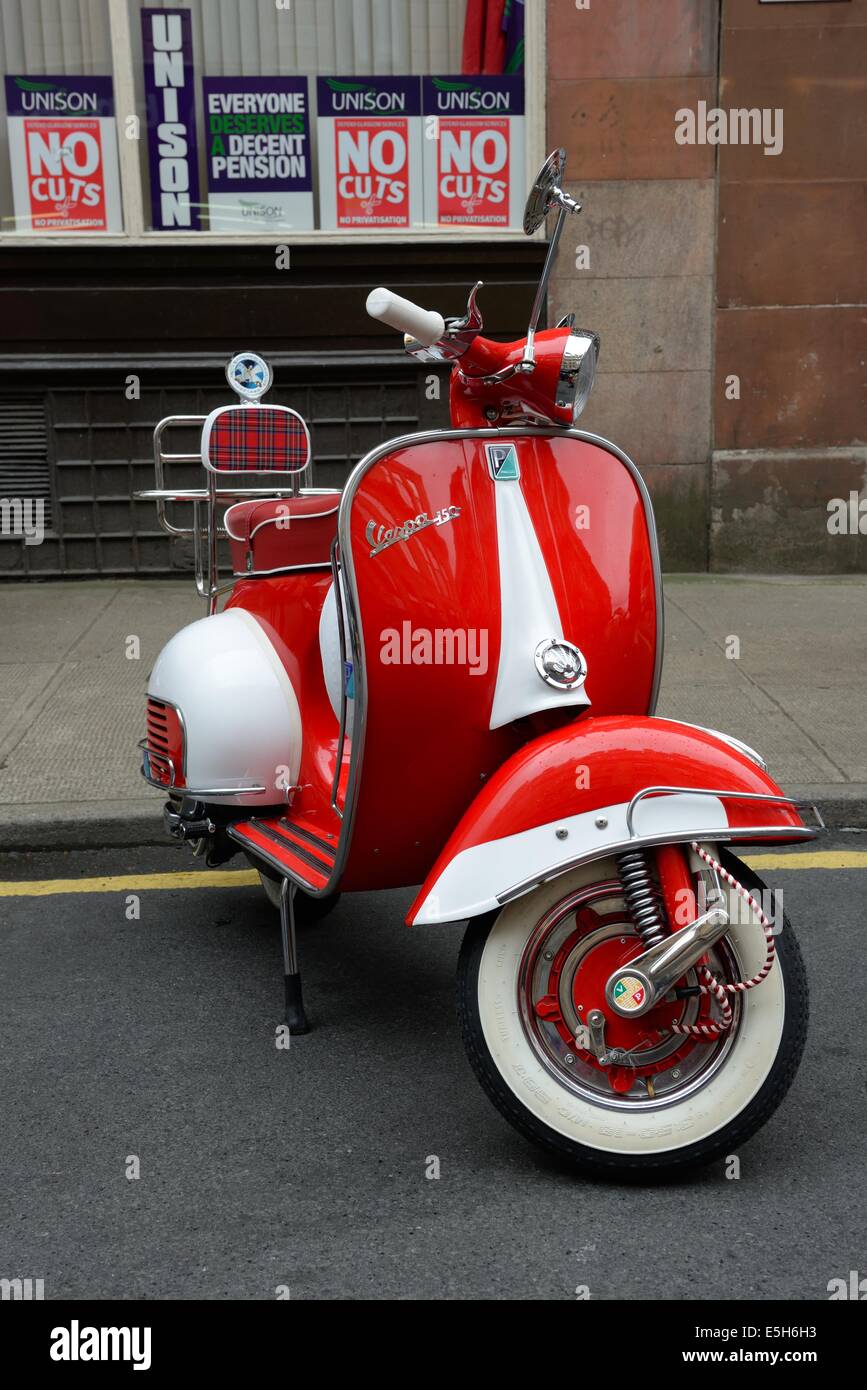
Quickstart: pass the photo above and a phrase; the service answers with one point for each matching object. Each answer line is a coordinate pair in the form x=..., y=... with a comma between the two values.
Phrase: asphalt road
x=262, y=1168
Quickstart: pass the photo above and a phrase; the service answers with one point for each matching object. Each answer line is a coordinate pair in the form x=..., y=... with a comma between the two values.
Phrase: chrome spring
x=641, y=896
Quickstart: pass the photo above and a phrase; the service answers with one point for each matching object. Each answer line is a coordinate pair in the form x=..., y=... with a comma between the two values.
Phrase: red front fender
x=592, y=789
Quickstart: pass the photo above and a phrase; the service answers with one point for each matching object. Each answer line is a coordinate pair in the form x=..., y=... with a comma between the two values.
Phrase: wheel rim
x=569, y=955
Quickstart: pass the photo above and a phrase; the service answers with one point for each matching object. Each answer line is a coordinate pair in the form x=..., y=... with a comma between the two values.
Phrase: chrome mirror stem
x=566, y=204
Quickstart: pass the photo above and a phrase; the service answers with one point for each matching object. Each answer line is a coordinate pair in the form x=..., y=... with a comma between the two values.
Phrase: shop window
x=262, y=118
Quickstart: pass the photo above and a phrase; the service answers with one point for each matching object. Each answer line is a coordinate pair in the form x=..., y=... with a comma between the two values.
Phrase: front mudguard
x=595, y=788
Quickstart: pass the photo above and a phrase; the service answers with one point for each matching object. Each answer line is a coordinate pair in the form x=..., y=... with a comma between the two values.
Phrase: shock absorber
x=641, y=896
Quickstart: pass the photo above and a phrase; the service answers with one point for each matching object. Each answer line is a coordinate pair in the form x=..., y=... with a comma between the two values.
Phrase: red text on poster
x=65, y=174
x=372, y=157
x=473, y=172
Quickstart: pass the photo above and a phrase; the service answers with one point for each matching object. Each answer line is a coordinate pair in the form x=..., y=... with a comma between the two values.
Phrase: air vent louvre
x=24, y=467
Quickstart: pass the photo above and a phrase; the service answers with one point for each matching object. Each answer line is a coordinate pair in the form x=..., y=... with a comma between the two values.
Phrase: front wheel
x=529, y=974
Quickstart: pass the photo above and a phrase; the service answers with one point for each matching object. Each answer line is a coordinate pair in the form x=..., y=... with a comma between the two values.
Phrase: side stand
x=295, y=1015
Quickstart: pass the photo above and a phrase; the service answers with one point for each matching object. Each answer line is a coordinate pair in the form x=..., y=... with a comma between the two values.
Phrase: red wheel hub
x=588, y=993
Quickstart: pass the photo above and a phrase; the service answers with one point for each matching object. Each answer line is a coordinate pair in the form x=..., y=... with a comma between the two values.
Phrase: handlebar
x=425, y=325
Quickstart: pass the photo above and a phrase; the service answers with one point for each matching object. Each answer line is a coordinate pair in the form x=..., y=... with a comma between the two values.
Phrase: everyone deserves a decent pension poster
x=258, y=154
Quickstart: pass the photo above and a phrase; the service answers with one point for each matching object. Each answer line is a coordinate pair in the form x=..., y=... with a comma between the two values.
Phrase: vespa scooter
x=447, y=675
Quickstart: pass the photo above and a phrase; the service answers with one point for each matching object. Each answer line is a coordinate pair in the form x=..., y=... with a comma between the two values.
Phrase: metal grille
x=25, y=479
x=23, y=448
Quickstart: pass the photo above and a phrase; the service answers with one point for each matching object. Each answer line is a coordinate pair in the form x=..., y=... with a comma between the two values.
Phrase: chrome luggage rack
x=250, y=377
x=206, y=530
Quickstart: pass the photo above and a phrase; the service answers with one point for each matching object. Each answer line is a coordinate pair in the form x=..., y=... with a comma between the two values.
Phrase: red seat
x=281, y=533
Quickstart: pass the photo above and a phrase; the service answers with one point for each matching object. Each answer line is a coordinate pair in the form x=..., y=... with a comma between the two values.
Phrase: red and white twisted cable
x=711, y=984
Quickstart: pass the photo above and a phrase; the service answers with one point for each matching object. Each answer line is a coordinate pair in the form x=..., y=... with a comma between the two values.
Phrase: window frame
x=136, y=233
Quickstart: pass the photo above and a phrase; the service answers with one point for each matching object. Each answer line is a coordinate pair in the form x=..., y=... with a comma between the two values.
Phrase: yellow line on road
x=130, y=883
x=810, y=859
x=245, y=878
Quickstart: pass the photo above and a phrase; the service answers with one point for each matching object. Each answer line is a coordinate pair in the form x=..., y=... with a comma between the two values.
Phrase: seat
x=283, y=533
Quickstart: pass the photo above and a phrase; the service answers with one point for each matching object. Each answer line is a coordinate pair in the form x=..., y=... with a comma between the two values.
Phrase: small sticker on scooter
x=629, y=993
x=503, y=462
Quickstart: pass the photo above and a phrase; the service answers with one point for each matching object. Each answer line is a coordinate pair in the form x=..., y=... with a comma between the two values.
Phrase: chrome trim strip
x=359, y=725
x=344, y=698
x=737, y=743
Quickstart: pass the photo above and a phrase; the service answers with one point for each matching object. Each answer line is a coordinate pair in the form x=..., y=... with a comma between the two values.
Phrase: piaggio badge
x=503, y=462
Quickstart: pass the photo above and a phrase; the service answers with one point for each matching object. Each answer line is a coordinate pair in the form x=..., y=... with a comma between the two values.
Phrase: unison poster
x=63, y=150
x=258, y=154
x=170, y=97
x=474, y=153
x=370, y=163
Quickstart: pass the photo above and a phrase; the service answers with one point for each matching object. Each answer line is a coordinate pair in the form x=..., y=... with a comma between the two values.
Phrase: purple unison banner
x=170, y=98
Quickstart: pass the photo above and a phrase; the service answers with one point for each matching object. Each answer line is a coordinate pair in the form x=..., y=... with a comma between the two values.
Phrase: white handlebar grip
x=425, y=325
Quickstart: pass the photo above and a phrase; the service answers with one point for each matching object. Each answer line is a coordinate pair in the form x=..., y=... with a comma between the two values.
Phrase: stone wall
x=708, y=262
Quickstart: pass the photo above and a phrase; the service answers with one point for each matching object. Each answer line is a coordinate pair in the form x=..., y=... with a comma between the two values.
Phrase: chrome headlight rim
x=577, y=371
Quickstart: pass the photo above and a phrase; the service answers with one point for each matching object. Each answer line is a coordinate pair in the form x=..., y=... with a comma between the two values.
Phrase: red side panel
x=428, y=742
x=589, y=518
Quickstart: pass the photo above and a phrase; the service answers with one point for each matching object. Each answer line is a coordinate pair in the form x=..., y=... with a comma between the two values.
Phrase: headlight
x=577, y=371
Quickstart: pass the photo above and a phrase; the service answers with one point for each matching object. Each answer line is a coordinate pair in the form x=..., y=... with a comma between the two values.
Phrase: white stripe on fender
x=474, y=880
x=528, y=615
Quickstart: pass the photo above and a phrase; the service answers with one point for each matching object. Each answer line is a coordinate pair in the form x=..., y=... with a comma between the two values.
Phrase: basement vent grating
x=24, y=469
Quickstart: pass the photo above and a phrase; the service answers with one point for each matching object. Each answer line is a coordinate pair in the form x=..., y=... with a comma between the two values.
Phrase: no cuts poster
x=370, y=164
x=258, y=154
x=474, y=151
x=63, y=150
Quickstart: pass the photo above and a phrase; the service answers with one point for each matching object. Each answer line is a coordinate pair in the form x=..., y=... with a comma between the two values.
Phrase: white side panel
x=240, y=712
x=528, y=615
x=329, y=650
x=474, y=880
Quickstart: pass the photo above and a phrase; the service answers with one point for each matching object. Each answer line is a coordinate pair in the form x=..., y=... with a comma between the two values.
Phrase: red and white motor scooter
x=447, y=675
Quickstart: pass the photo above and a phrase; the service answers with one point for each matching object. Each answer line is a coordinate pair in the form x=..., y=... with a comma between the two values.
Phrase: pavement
x=156, y=1143
x=779, y=662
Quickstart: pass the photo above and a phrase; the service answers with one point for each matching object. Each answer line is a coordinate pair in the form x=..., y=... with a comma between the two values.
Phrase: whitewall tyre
x=687, y=1103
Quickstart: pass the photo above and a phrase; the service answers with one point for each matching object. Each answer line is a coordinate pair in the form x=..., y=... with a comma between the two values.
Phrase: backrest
x=255, y=439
